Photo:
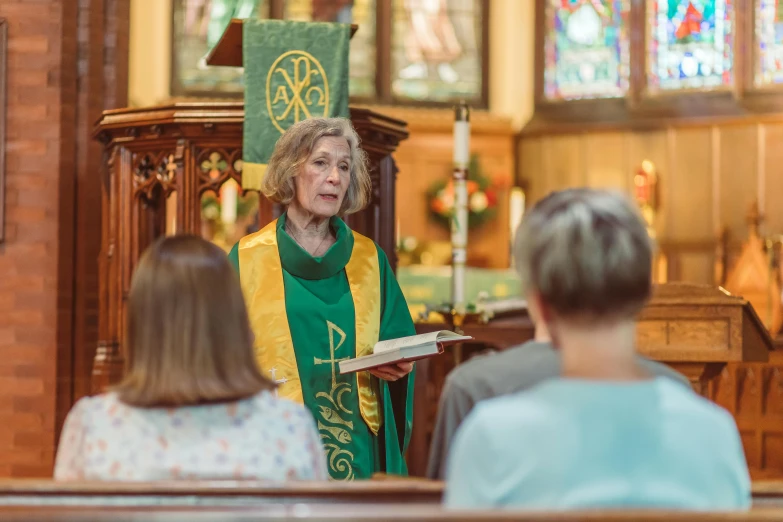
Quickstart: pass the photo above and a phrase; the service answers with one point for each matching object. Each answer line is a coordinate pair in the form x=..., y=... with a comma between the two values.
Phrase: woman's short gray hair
x=295, y=146
x=587, y=253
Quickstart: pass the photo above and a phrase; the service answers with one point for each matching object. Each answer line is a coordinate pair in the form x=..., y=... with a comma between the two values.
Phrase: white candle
x=228, y=203
x=461, y=143
x=516, y=205
x=459, y=222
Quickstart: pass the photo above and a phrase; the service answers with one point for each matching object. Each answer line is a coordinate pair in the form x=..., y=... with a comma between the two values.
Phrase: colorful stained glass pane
x=437, y=50
x=689, y=44
x=198, y=25
x=769, y=42
x=362, y=51
x=586, y=49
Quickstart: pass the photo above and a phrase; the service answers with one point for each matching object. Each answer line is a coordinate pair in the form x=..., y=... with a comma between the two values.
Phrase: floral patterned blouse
x=259, y=438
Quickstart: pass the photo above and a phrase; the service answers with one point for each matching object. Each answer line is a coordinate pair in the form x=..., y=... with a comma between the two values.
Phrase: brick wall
x=56, y=49
x=36, y=118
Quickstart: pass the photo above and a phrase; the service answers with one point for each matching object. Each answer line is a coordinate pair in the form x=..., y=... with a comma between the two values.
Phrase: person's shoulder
x=372, y=247
x=247, y=240
x=530, y=359
x=503, y=429
x=268, y=404
x=677, y=400
x=524, y=411
x=660, y=369
x=690, y=414
x=89, y=407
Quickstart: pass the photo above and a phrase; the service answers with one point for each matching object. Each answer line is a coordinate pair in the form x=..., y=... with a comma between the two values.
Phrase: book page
x=413, y=340
x=403, y=342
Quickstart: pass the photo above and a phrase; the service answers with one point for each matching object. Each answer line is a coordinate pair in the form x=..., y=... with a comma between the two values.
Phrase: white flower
x=211, y=212
x=478, y=202
x=447, y=198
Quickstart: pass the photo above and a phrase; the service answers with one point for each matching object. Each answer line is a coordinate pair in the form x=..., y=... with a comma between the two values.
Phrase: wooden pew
x=385, y=513
x=767, y=493
x=218, y=493
x=397, y=493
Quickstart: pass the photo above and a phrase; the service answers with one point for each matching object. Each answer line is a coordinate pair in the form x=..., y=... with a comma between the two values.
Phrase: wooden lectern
x=161, y=160
x=698, y=329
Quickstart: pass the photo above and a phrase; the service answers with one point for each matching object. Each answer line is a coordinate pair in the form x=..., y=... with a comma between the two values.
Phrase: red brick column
x=57, y=75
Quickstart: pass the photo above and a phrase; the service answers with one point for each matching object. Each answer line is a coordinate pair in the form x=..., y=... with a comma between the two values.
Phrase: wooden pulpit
x=698, y=329
x=160, y=161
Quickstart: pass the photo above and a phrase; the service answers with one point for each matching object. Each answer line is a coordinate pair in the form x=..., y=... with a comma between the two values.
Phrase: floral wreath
x=482, y=198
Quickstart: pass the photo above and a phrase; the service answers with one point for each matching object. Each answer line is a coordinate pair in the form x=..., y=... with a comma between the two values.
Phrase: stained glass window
x=769, y=42
x=436, y=52
x=587, y=51
x=362, y=52
x=689, y=44
x=198, y=25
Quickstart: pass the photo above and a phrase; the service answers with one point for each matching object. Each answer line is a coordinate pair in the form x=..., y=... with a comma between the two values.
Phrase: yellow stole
x=261, y=274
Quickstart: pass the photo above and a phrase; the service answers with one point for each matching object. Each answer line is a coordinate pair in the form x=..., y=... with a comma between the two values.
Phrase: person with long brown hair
x=193, y=403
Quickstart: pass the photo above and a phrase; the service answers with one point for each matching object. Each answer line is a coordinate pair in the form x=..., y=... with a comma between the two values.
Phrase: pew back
x=218, y=493
x=389, y=499
x=387, y=513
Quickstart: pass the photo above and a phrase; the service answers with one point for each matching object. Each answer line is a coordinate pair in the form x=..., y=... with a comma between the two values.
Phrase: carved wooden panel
x=753, y=393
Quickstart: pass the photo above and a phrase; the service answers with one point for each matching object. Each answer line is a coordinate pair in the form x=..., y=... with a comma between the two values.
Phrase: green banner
x=293, y=71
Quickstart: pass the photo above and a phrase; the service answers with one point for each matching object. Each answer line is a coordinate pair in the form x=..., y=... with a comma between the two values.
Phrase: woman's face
x=324, y=177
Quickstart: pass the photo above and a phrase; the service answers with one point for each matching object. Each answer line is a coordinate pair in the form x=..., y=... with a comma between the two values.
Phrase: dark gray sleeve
x=455, y=404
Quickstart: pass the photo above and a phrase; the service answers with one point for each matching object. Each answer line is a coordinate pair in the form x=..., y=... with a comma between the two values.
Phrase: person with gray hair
x=318, y=293
x=606, y=433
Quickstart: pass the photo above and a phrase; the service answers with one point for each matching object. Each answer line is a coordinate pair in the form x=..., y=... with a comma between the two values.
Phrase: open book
x=403, y=349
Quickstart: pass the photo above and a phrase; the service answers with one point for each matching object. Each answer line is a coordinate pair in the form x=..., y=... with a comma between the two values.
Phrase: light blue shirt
x=577, y=444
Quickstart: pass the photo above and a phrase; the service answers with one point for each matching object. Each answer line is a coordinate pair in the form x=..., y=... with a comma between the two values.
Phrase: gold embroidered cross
x=332, y=348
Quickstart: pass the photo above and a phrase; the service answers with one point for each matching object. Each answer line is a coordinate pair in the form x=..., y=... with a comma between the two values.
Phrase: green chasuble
x=322, y=324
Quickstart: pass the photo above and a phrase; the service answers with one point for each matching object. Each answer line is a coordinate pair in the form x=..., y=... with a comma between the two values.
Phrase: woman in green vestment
x=318, y=293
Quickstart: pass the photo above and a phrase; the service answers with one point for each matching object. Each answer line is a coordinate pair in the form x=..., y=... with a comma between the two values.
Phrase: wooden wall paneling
x=606, y=160
x=695, y=267
x=688, y=201
x=773, y=178
x=738, y=175
x=564, y=163
x=422, y=160
x=688, y=188
x=531, y=168
x=651, y=146
x=772, y=411
x=750, y=390
x=490, y=245
x=748, y=408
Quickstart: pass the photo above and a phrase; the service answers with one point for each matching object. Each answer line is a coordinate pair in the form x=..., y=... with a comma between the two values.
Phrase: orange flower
x=501, y=181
